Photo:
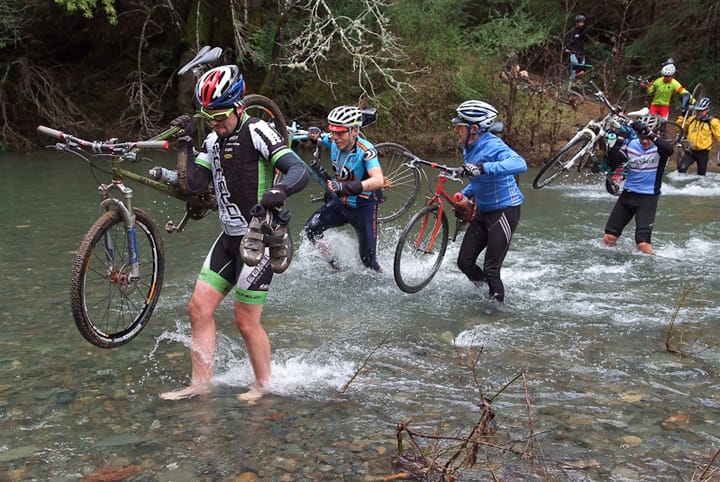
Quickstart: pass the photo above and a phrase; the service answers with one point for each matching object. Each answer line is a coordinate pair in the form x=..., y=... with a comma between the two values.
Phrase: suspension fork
x=125, y=209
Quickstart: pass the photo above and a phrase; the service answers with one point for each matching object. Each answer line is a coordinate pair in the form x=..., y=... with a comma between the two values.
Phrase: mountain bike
x=590, y=143
x=634, y=95
x=117, y=274
x=402, y=178
x=575, y=91
x=421, y=247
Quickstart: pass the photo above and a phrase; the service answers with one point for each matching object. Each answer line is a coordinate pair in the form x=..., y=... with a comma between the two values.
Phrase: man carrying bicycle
x=492, y=167
x=239, y=156
x=645, y=158
x=700, y=130
x=662, y=90
x=575, y=44
x=356, y=185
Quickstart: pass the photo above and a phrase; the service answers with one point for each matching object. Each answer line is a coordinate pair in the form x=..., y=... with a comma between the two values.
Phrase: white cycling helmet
x=652, y=121
x=668, y=70
x=702, y=104
x=476, y=112
x=344, y=116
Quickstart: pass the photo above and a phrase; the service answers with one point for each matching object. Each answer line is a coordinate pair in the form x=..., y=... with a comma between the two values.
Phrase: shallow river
x=586, y=325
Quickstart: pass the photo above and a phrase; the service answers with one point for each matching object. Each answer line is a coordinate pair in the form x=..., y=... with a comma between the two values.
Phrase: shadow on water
x=587, y=324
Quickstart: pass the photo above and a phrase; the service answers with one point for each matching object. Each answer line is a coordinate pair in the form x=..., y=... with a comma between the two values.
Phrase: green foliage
x=432, y=31
x=86, y=7
x=505, y=33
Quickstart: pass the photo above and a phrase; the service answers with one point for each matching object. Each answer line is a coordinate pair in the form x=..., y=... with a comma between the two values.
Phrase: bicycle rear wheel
x=614, y=182
x=631, y=98
x=402, y=182
x=420, y=249
x=698, y=92
x=561, y=163
x=671, y=132
x=262, y=107
x=109, y=308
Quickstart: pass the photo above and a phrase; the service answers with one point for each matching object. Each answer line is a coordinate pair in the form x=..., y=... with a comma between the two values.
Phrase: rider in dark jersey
x=239, y=157
x=645, y=158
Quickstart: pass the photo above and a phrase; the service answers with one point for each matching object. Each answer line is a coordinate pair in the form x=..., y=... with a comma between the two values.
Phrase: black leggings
x=701, y=157
x=493, y=230
x=641, y=206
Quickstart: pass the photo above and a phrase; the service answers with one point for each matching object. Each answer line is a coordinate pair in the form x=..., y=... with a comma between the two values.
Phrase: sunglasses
x=217, y=116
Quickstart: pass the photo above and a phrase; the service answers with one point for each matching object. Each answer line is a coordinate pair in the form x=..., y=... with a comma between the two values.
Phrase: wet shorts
x=224, y=269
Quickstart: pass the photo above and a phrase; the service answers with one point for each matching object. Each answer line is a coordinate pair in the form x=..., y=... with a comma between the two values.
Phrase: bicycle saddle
x=205, y=55
x=369, y=116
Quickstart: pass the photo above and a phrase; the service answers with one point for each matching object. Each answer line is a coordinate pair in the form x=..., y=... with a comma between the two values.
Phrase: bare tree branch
x=367, y=39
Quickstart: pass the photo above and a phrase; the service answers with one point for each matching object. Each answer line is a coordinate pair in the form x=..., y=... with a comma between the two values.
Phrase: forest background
x=107, y=68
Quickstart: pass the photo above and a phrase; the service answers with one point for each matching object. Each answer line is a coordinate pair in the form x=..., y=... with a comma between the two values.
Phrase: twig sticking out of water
x=677, y=333
x=434, y=457
x=364, y=363
x=710, y=472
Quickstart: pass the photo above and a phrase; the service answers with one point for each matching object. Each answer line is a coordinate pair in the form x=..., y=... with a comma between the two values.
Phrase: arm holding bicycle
x=372, y=182
x=316, y=135
x=498, y=159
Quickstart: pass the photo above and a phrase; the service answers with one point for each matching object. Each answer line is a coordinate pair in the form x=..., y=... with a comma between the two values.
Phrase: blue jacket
x=495, y=188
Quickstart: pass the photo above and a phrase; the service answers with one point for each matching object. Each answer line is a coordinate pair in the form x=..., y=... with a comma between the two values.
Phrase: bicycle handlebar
x=448, y=171
x=108, y=147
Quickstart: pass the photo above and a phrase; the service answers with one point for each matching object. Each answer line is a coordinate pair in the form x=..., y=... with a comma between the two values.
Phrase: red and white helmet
x=220, y=88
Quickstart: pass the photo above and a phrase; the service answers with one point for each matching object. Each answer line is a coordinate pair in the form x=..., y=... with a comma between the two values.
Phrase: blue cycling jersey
x=496, y=187
x=646, y=166
x=353, y=165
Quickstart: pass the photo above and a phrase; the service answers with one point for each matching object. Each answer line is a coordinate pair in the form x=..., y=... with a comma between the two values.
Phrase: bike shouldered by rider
x=699, y=130
x=644, y=158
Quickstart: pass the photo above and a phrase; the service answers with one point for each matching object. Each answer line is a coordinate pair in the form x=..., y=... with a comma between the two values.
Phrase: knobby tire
x=109, y=310
x=264, y=108
x=556, y=166
x=416, y=262
x=402, y=182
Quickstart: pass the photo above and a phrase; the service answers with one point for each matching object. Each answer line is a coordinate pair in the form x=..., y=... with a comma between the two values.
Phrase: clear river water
x=603, y=399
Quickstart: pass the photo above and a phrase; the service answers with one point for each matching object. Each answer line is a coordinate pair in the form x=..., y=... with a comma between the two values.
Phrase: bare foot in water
x=187, y=392
x=253, y=395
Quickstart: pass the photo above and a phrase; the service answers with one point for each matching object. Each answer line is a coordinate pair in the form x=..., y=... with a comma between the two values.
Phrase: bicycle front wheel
x=561, y=163
x=402, y=182
x=421, y=249
x=109, y=307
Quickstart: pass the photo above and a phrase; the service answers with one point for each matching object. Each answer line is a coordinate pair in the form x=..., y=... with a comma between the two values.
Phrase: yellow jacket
x=701, y=133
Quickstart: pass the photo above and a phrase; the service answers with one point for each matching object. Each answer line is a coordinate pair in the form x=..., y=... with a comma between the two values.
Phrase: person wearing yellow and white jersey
x=700, y=130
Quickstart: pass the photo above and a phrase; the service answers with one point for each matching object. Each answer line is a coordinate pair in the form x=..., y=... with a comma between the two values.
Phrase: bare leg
x=205, y=299
x=247, y=319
